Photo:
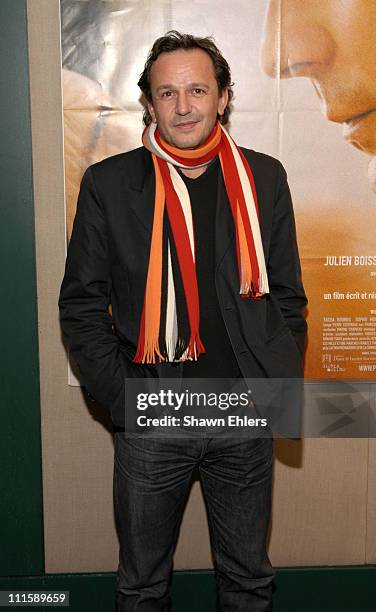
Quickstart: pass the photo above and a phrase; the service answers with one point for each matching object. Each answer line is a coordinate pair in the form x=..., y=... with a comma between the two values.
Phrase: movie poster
x=305, y=92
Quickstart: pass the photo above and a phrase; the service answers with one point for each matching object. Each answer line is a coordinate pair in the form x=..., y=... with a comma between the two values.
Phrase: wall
x=327, y=479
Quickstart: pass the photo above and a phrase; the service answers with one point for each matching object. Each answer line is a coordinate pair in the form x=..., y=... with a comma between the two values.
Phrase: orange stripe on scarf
x=148, y=345
x=246, y=268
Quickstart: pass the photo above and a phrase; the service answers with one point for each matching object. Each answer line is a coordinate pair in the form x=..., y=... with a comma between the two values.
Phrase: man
x=333, y=44
x=192, y=242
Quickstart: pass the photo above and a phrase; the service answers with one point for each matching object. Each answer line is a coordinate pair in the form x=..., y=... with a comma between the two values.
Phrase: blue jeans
x=151, y=483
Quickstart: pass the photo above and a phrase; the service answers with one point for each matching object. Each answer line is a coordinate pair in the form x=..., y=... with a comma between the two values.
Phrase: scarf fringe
x=149, y=353
x=152, y=353
x=250, y=289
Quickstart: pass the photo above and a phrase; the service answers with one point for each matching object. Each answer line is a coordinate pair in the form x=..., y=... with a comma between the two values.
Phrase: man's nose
x=294, y=44
x=183, y=104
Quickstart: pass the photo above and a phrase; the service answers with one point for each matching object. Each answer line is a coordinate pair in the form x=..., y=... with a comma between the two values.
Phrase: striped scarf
x=169, y=329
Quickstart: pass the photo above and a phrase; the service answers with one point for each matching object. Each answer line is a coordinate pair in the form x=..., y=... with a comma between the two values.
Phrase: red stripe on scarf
x=139, y=356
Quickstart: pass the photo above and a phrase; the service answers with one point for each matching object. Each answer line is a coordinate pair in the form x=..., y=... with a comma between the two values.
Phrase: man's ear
x=151, y=112
x=222, y=101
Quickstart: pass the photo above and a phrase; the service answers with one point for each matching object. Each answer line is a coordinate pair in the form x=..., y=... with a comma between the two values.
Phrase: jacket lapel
x=142, y=186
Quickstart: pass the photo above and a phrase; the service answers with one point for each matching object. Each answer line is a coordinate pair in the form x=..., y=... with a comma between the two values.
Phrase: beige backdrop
x=324, y=492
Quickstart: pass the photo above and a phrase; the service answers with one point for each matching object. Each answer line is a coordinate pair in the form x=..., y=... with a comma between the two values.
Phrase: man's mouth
x=186, y=125
x=360, y=130
x=359, y=117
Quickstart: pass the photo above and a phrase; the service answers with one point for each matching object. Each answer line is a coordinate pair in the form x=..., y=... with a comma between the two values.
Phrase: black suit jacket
x=107, y=264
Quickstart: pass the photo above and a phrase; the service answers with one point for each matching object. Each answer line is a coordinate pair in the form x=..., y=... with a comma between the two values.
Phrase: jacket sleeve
x=284, y=271
x=85, y=297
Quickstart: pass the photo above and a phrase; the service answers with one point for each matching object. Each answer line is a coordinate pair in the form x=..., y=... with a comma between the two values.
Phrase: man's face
x=333, y=43
x=185, y=97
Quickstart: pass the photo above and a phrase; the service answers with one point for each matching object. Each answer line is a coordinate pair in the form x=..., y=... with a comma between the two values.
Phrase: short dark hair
x=174, y=41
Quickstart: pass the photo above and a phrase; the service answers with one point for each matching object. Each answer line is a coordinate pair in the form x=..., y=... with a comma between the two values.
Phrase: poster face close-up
x=305, y=92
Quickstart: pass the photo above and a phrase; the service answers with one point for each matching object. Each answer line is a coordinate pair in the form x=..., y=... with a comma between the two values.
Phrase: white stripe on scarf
x=252, y=214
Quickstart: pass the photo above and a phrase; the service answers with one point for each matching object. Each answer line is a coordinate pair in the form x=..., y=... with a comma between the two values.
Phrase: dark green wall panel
x=327, y=589
x=21, y=534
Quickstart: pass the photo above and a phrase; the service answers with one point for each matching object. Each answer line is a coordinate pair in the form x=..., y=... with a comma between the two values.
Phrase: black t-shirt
x=219, y=360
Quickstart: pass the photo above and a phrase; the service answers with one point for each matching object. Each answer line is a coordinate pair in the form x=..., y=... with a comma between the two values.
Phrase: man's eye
x=198, y=91
x=167, y=94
